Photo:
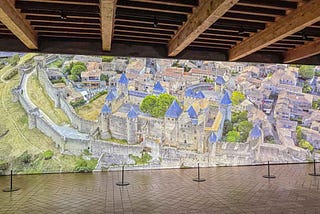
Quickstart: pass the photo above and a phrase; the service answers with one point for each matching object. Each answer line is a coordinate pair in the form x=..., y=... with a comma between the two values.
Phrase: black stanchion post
x=198, y=179
x=11, y=181
x=11, y=189
x=122, y=183
x=269, y=175
x=314, y=169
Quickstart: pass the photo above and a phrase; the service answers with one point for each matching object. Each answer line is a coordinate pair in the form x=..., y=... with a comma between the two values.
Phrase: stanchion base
x=269, y=176
x=314, y=174
x=11, y=190
x=199, y=179
x=122, y=184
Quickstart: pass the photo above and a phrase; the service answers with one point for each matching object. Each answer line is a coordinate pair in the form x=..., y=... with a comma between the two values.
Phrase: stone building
x=191, y=126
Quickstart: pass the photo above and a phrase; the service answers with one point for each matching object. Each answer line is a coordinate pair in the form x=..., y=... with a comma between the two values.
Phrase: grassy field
x=41, y=99
x=14, y=119
x=91, y=111
x=20, y=138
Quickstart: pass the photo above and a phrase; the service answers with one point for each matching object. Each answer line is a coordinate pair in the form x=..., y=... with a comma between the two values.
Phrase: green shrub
x=48, y=154
x=11, y=74
x=143, y=160
x=78, y=103
x=86, y=152
x=107, y=58
x=306, y=145
x=61, y=80
x=83, y=165
x=25, y=157
x=98, y=95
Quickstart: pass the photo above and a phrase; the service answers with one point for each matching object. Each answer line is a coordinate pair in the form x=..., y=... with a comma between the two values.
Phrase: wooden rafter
x=295, y=21
x=307, y=50
x=107, y=14
x=203, y=16
x=15, y=22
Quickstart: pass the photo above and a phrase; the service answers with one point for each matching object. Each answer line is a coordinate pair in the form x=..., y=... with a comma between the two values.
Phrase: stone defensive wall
x=66, y=143
x=57, y=95
x=37, y=120
x=103, y=147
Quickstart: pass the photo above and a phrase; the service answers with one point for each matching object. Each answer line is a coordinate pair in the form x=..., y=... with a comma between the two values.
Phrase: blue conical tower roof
x=174, y=110
x=213, y=138
x=158, y=88
x=220, y=80
x=105, y=109
x=132, y=113
x=123, y=79
x=189, y=92
x=110, y=96
x=226, y=99
x=192, y=113
x=199, y=95
x=255, y=132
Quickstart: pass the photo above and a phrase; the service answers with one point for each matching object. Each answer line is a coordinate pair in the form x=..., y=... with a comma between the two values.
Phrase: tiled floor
x=226, y=190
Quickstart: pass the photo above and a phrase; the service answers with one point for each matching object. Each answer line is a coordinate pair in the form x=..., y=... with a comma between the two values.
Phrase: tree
x=163, y=103
x=237, y=97
x=306, y=88
x=244, y=127
x=227, y=127
x=237, y=117
x=156, y=106
x=26, y=157
x=306, y=71
x=107, y=58
x=306, y=145
x=148, y=104
x=299, y=133
x=104, y=77
x=316, y=104
x=77, y=69
x=14, y=60
x=67, y=69
x=233, y=136
x=73, y=77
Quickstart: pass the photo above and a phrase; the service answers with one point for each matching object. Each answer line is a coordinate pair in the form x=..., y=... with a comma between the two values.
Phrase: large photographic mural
x=66, y=113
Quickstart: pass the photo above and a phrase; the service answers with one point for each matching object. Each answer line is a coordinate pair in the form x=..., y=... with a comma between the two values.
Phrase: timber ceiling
x=234, y=30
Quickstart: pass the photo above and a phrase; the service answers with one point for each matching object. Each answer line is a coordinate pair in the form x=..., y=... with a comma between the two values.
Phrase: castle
x=193, y=124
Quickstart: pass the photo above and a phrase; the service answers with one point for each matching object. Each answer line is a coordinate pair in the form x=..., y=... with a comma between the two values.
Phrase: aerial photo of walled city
x=74, y=113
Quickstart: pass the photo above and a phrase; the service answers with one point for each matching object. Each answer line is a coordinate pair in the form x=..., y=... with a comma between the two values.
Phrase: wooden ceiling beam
x=78, y=2
x=295, y=21
x=146, y=21
x=107, y=14
x=57, y=13
x=257, y=11
x=203, y=16
x=247, y=17
x=304, y=51
x=17, y=24
x=129, y=39
x=65, y=25
x=56, y=19
x=269, y=4
x=182, y=3
x=153, y=7
x=50, y=6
